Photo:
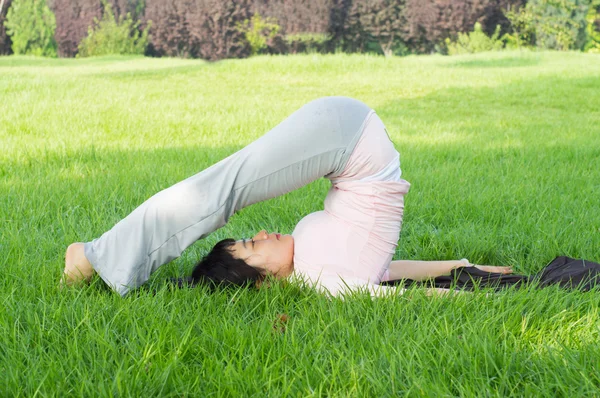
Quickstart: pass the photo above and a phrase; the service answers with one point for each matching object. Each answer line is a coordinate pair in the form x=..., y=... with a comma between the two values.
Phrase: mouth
x=278, y=236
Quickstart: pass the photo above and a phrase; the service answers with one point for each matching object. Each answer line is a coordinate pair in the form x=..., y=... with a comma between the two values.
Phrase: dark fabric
x=564, y=271
x=570, y=273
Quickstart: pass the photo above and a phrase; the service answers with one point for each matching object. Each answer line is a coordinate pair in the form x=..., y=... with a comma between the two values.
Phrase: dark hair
x=220, y=268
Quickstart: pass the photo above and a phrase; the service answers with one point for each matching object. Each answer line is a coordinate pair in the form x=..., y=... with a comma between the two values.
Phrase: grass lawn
x=503, y=154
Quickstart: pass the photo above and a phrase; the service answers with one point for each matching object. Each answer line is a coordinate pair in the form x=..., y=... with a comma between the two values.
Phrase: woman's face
x=271, y=253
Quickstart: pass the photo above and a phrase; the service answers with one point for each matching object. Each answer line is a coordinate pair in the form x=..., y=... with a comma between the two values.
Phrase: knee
x=178, y=203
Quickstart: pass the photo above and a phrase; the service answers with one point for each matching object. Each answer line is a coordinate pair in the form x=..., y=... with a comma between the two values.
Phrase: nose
x=261, y=235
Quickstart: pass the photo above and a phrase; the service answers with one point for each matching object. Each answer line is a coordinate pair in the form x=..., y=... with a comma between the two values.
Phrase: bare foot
x=77, y=266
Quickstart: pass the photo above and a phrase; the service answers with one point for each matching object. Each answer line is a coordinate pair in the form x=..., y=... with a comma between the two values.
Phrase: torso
x=352, y=241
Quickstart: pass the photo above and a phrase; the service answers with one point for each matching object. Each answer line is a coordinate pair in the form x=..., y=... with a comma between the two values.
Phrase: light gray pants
x=313, y=142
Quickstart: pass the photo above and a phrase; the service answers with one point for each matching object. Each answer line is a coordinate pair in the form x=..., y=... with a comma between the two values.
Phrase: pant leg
x=313, y=142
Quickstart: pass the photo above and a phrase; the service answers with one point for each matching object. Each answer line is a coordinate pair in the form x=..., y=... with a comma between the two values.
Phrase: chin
x=289, y=240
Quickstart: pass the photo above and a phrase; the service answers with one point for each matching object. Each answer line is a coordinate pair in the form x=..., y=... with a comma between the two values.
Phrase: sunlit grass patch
x=502, y=153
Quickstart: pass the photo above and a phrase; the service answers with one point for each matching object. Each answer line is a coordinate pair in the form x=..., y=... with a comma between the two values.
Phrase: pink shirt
x=351, y=242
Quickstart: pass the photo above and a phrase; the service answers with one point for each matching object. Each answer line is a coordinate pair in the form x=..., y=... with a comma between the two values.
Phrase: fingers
x=495, y=269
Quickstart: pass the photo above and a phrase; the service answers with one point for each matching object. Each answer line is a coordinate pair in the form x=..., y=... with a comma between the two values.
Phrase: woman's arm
x=390, y=291
x=420, y=270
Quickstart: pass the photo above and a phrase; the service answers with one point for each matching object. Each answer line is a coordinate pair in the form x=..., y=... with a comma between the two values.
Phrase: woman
x=348, y=245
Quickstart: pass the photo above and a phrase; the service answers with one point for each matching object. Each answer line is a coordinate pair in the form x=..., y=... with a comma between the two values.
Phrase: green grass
x=503, y=154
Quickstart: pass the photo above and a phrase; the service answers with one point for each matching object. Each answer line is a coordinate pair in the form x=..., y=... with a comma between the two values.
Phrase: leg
x=315, y=141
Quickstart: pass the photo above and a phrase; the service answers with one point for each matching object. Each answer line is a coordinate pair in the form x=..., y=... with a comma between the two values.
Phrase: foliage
x=214, y=29
x=593, y=28
x=550, y=24
x=111, y=36
x=31, y=25
x=386, y=26
x=475, y=42
x=368, y=26
x=430, y=22
x=5, y=43
x=522, y=28
x=258, y=31
x=307, y=43
x=296, y=16
x=134, y=7
x=382, y=20
x=560, y=24
x=73, y=18
x=412, y=25
x=345, y=28
x=198, y=28
x=303, y=25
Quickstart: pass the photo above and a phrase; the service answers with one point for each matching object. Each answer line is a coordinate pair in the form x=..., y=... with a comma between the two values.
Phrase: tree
x=114, y=37
x=5, y=43
x=258, y=31
x=73, y=17
x=593, y=28
x=550, y=24
x=560, y=24
x=430, y=22
x=31, y=25
x=522, y=28
x=198, y=28
x=383, y=21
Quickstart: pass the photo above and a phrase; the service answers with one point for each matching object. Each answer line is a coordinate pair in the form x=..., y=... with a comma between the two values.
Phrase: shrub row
x=216, y=29
x=201, y=28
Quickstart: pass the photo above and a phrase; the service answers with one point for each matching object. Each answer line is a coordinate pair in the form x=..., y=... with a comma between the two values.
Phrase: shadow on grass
x=546, y=112
x=13, y=61
x=514, y=183
x=161, y=68
x=523, y=60
x=152, y=73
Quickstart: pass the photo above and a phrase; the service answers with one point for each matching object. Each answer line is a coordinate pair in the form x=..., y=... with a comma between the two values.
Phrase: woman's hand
x=488, y=268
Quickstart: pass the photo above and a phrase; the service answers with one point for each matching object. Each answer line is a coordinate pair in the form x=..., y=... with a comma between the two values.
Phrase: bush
x=410, y=25
x=31, y=25
x=383, y=20
x=134, y=7
x=346, y=31
x=551, y=24
x=560, y=23
x=73, y=18
x=430, y=22
x=522, y=28
x=307, y=43
x=475, y=42
x=296, y=16
x=198, y=28
x=114, y=37
x=258, y=32
x=5, y=42
x=593, y=28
